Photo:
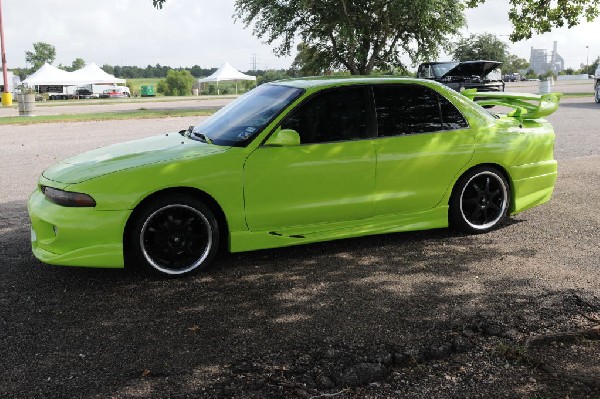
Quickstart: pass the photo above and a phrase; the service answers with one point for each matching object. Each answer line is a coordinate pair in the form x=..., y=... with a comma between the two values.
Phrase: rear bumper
x=532, y=184
x=76, y=236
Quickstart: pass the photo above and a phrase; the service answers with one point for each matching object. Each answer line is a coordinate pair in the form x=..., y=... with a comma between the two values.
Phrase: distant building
x=541, y=62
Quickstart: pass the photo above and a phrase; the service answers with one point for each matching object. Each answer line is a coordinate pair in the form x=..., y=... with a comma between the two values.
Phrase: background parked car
x=480, y=75
x=597, y=85
x=83, y=93
x=116, y=92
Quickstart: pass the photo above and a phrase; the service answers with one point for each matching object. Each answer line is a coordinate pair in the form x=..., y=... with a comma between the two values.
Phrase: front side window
x=334, y=115
x=237, y=123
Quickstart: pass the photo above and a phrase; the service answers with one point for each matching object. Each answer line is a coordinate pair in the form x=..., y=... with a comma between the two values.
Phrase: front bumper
x=76, y=236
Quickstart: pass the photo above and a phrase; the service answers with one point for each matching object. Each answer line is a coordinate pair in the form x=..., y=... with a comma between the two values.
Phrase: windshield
x=440, y=70
x=238, y=123
x=435, y=71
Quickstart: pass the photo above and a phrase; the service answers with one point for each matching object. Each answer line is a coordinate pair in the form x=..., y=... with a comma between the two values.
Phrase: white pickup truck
x=597, y=84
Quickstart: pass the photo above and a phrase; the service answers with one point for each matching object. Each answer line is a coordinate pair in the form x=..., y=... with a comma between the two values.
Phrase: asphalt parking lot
x=512, y=313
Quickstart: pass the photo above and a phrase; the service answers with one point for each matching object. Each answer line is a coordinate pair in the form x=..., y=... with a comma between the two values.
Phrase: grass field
x=224, y=87
x=136, y=84
x=137, y=114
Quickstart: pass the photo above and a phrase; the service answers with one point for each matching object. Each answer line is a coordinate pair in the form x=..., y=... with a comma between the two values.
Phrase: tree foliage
x=77, y=63
x=514, y=64
x=485, y=46
x=488, y=47
x=151, y=71
x=359, y=35
x=527, y=16
x=272, y=75
x=177, y=83
x=42, y=53
x=540, y=16
x=309, y=61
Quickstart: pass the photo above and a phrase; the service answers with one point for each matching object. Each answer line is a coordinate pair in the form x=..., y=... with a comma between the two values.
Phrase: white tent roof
x=92, y=73
x=51, y=75
x=48, y=75
x=226, y=73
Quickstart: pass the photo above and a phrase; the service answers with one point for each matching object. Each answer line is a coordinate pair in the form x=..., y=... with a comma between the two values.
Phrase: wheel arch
x=206, y=198
x=496, y=166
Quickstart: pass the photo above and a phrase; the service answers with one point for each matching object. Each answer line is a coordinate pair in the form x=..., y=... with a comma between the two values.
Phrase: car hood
x=128, y=155
x=473, y=68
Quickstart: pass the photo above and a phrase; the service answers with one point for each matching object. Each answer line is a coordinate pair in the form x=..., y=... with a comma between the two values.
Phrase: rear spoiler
x=525, y=106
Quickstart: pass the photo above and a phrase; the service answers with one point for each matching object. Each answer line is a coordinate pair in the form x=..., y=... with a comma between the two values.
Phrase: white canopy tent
x=51, y=75
x=226, y=73
x=93, y=74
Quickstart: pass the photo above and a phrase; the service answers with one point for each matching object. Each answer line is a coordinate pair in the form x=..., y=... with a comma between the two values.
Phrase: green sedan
x=295, y=162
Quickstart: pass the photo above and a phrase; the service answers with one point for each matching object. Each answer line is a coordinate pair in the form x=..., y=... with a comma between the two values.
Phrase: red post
x=6, y=96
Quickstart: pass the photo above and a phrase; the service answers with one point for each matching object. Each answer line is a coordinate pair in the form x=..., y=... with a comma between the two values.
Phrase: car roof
x=317, y=82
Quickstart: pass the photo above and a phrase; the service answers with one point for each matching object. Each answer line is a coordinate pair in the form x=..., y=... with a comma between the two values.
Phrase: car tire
x=597, y=95
x=480, y=201
x=173, y=235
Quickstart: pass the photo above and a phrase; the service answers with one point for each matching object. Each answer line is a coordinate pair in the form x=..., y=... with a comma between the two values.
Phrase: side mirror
x=284, y=138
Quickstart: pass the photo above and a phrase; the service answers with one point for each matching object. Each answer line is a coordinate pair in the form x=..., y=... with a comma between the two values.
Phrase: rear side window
x=451, y=116
x=408, y=109
x=333, y=115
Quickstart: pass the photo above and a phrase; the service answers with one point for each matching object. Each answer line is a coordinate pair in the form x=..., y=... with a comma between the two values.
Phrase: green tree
x=527, y=16
x=272, y=75
x=77, y=63
x=531, y=74
x=177, y=83
x=359, y=35
x=485, y=46
x=540, y=16
x=42, y=53
x=593, y=66
x=514, y=64
x=311, y=62
x=108, y=69
x=548, y=74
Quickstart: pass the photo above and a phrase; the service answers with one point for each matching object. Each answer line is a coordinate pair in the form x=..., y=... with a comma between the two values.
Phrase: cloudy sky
x=203, y=32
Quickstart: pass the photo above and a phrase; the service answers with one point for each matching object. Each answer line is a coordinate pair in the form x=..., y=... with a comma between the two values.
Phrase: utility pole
x=6, y=95
x=587, y=61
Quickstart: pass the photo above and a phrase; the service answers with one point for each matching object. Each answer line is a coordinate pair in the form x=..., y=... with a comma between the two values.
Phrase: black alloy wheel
x=480, y=201
x=175, y=235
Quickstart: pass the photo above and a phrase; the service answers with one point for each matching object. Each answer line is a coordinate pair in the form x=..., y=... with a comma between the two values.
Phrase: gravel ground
x=509, y=314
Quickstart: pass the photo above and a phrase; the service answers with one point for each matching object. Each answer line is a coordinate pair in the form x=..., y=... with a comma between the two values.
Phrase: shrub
x=177, y=83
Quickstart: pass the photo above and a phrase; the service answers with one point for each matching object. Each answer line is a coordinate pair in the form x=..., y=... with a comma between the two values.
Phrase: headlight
x=68, y=198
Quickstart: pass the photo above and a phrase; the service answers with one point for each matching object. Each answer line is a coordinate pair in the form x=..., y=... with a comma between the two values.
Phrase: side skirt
x=249, y=241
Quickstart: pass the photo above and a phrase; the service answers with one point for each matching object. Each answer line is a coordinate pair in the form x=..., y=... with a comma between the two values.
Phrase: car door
x=328, y=178
x=423, y=142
